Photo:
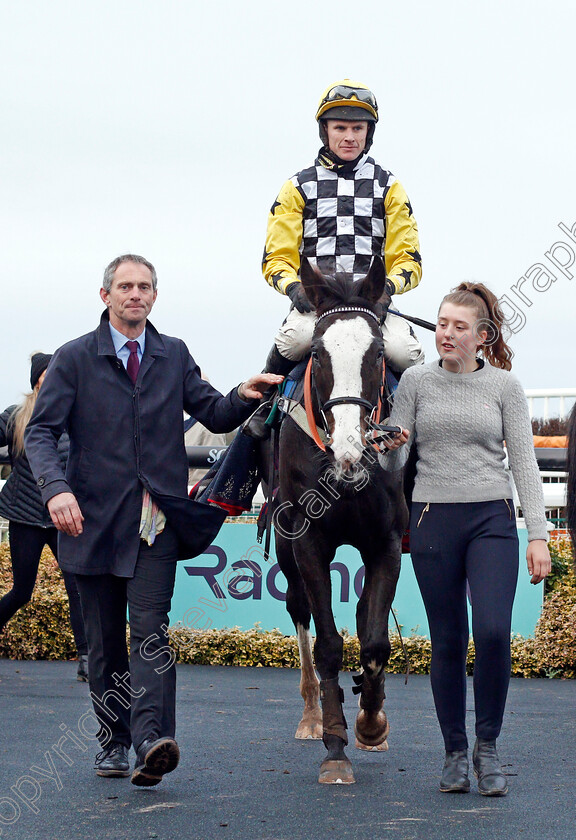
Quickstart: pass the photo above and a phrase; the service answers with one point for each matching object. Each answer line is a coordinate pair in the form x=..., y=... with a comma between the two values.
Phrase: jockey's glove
x=390, y=287
x=385, y=300
x=297, y=295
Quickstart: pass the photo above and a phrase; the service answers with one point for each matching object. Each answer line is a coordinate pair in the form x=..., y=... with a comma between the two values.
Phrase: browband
x=349, y=309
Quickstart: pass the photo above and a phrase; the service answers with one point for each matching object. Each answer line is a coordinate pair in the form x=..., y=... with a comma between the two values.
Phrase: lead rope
x=378, y=408
x=270, y=499
x=404, y=651
x=357, y=678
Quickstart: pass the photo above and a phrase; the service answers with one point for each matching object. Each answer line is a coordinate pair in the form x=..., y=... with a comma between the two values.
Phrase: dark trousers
x=453, y=545
x=26, y=544
x=134, y=697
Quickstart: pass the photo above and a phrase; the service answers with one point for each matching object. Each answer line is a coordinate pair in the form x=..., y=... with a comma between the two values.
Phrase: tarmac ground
x=243, y=776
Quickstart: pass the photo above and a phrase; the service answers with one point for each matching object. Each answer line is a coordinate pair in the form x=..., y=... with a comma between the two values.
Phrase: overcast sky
x=167, y=128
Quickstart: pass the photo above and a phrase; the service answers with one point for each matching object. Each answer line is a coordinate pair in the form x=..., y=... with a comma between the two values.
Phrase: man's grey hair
x=110, y=270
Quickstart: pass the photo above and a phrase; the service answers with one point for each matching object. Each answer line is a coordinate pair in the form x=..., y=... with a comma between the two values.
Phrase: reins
x=309, y=409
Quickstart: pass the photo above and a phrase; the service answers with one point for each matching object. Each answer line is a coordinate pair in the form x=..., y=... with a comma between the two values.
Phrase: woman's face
x=41, y=379
x=458, y=337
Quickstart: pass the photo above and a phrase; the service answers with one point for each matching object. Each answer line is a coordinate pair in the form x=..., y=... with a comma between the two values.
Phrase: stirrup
x=257, y=425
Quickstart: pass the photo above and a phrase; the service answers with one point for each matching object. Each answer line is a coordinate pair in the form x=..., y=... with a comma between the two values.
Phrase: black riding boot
x=487, y=767
x=256, y=426
x=455, y=773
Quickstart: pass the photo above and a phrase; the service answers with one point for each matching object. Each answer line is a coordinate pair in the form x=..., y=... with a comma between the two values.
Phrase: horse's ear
x=312, y=282
x=374, y=283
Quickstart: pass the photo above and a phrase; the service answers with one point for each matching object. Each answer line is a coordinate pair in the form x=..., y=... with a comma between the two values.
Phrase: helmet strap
x=370, y=135
x=331, y=161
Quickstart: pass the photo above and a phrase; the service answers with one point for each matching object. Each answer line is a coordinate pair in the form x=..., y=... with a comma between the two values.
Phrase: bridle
x=310, y=388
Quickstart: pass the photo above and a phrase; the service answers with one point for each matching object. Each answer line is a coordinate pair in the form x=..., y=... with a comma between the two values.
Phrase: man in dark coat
x=121, y=508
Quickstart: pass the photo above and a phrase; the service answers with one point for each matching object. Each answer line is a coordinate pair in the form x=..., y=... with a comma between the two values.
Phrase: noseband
x=310, y=384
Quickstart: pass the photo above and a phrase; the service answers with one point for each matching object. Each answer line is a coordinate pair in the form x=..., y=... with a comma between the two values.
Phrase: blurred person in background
x=31, y=527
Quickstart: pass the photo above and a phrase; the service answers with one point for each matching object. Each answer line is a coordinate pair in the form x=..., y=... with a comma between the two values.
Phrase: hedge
x=41, y=630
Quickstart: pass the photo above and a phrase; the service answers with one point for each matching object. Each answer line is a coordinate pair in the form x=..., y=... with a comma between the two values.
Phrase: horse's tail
x=571, y=480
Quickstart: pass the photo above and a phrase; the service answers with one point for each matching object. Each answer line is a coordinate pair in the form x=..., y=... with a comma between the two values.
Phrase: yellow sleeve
x=402, y=249
x=281, y=261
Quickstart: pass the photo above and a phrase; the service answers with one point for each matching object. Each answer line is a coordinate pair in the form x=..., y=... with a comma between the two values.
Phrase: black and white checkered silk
x=344, y=222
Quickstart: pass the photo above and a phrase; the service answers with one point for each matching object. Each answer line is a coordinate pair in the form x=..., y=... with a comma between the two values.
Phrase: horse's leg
x=382, y=570
x=328, y=650
x=310, y=727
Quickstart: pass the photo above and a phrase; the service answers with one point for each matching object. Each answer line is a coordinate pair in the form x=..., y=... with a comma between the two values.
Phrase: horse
x=333, y=492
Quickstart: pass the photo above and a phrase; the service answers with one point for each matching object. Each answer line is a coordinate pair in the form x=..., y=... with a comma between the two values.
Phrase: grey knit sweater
x=460, y=422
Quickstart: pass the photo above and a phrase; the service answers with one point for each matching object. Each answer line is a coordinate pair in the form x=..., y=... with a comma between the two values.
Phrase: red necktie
x=133, y=361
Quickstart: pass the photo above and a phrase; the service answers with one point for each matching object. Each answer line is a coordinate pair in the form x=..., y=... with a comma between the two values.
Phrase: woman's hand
x=538, y=560
x=397, y=441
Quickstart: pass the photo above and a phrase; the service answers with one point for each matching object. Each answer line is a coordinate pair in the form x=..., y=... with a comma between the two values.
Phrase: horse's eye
x=314, y=354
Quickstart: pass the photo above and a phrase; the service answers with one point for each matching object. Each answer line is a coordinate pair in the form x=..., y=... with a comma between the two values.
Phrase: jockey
x=339, y=213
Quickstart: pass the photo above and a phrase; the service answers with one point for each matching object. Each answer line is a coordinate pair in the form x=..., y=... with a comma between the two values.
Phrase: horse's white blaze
x=346, y=343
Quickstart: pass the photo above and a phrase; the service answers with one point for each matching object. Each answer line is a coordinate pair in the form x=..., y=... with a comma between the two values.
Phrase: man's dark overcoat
x=122, y=437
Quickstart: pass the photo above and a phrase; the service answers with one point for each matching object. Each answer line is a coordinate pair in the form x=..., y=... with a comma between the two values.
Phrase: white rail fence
x=550, y=402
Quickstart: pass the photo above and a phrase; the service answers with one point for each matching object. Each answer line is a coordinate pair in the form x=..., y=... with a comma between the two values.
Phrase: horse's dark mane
x=341, y=290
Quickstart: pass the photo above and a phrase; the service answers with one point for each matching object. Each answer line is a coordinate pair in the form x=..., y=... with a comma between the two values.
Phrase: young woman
x=461, y=411
x=30, y=526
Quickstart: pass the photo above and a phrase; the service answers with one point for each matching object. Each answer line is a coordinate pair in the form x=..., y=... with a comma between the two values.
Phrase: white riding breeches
x=401, y=347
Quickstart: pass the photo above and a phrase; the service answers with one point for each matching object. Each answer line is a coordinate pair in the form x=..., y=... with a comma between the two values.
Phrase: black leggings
x=452, y=546
x=26, y=544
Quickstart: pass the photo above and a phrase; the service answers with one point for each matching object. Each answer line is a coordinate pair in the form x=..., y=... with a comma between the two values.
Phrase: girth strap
x=293, y=409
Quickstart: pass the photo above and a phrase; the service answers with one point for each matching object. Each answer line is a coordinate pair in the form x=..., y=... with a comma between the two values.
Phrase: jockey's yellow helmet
x=347, y=100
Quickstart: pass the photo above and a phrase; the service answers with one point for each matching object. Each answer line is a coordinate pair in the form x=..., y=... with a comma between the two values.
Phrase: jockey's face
x=347, y=139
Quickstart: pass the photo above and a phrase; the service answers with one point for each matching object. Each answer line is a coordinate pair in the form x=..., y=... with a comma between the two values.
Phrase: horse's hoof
x=309, y=730
x=383, y=747
x=336, y=772
x=371, y=731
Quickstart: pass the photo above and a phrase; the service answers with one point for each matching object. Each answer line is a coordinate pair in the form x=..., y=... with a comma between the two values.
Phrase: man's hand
x=297, y=295
x=253, y=388
x=66, y=514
